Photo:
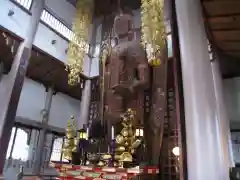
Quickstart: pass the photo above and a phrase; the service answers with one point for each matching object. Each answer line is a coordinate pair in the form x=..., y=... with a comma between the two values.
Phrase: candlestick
x=87, y=133
x=113, y=135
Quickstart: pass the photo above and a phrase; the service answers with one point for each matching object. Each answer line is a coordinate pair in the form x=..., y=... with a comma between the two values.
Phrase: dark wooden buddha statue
x=126, y=73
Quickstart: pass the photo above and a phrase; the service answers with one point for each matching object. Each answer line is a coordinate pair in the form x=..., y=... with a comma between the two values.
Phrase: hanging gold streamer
x=78, y=47
x=153, y=29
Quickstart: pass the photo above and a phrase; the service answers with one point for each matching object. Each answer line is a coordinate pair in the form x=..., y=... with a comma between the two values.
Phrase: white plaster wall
x=137, y=18
x=95, y=67
x=32, y=100
x=18, y=24
x=232, y=98
x=63, y=107
x=43, y=40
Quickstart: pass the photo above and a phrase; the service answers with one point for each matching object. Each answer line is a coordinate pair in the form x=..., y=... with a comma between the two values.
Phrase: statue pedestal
x=71, y=172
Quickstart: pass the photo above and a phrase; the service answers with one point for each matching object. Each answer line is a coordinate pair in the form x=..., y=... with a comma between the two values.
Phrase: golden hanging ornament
x=153, y=29
x=78, y=47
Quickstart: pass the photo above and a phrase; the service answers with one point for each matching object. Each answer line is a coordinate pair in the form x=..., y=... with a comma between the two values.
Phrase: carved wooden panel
x=156, y=106
x=169, y=163
x=107, y=27
x=147, y=106
x=94, y=111
x=95, y=89
x=95, y=100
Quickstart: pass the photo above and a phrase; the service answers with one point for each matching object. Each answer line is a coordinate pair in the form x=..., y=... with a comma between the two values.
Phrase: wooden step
x=31, y=178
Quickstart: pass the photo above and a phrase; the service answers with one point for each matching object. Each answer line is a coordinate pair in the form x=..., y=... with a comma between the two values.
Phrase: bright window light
x=20, y=147
x=25, y=3
x=59, y=27
x=57, y=150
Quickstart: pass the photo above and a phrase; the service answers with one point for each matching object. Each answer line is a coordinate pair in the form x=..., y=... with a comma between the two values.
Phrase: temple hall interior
x=120, y=89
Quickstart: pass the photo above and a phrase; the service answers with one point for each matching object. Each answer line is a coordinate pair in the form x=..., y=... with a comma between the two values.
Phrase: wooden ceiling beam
x=226, y=30
x=224, y=19
x=222, y=27
x=222, y=8
x=226, y=35
x=209, y=33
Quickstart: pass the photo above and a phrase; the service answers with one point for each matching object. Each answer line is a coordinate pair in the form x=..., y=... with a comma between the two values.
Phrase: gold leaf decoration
x=153, y=29
x=78, y=47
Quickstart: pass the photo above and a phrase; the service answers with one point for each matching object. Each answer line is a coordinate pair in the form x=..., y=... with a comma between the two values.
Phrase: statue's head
x=124, y=24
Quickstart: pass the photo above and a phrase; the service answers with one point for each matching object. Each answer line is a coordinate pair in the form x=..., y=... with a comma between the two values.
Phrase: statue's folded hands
x=123, y=90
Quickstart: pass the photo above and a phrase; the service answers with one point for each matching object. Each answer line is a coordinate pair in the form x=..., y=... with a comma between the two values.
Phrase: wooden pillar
x=85, y=103
x=1, y=69
x=43, y=132
x=86, y=94
x=202, y=132
x=10, y=97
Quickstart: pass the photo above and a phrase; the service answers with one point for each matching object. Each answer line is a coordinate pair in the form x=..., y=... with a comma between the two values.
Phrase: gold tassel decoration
x=78, y=47
x=153, y=29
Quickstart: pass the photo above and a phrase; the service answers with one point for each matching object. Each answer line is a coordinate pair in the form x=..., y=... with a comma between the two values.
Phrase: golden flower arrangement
x=126, y=142
x=70, y=142
x=153, y=29
x=78, y=47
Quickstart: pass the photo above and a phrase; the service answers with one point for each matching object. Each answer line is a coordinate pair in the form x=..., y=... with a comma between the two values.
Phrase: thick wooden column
x=85, y=104
x=204, y=155
x=10, y=97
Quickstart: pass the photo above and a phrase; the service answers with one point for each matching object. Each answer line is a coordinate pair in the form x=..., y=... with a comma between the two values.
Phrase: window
x=56, y=154
x=169, y=45
x=18, y=148
x=97, y=50
x=11, y=143
x=57, y=25
x=25, y=3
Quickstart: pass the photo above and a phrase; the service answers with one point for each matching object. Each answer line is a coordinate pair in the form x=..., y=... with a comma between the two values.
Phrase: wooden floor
x=24, y=178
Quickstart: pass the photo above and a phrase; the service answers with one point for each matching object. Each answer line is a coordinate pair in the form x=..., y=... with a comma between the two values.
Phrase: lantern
x=82, y=134
x=139, y=132
x=176, y=151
